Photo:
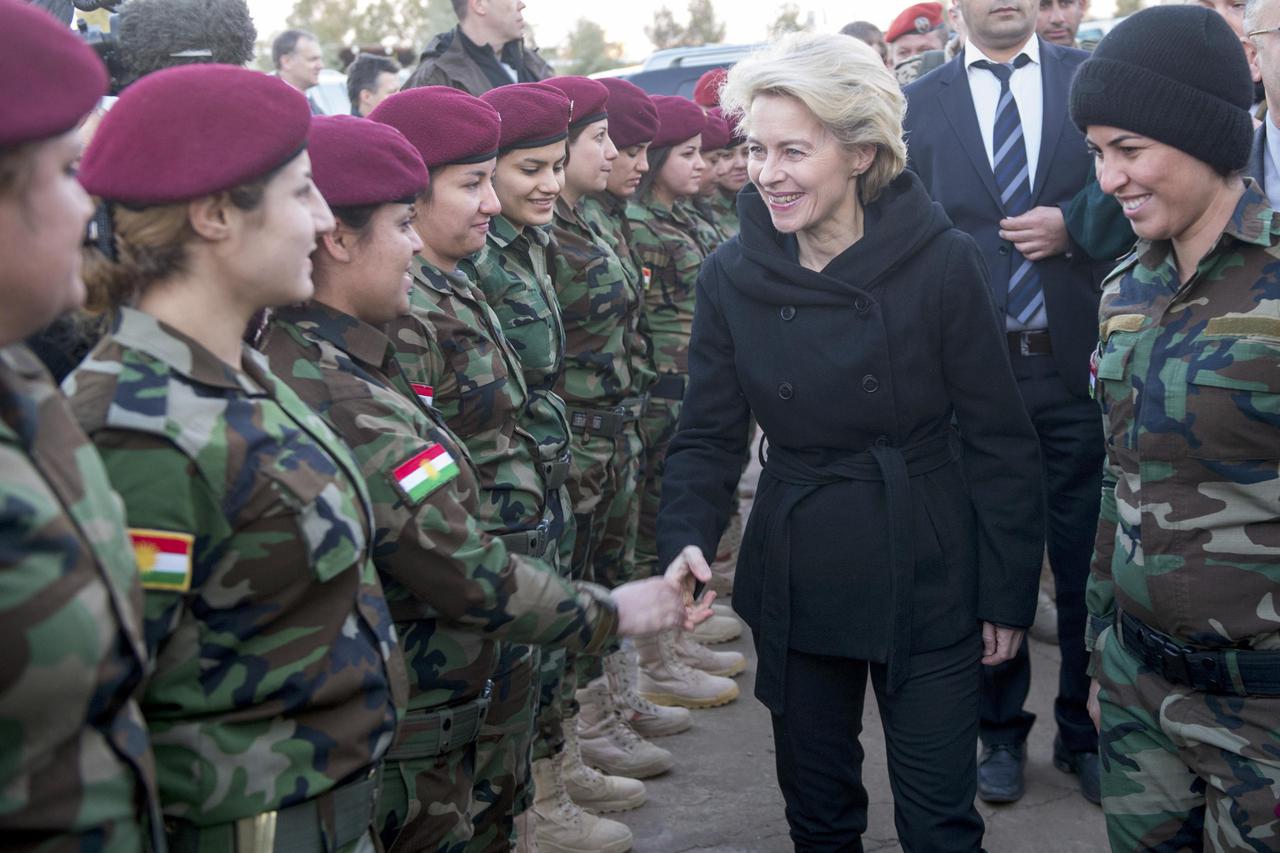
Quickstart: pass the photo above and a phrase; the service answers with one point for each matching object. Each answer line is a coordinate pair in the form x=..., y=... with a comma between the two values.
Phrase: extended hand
x=1038, y=234
x=656, y=604
x=1094, y=706
x=686, y=570
x=999, y=644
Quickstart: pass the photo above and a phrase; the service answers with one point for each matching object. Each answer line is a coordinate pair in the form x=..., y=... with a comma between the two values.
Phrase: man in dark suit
x=989, y=135
x=1261, y=20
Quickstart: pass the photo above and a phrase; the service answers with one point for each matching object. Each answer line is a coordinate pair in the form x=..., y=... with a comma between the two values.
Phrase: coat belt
x=894, y=466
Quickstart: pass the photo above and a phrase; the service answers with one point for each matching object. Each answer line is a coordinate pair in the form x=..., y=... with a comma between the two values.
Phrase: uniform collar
x=429, y=275
x=503, y=232
x=352, y=335
x=185, y=356
x=1252, y=222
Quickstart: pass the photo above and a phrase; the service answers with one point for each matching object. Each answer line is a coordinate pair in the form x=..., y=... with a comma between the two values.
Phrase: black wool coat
x=900, y=503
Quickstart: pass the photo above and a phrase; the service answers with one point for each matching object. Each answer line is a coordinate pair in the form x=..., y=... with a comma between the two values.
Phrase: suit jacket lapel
x=956, y=102
x=1053, y=87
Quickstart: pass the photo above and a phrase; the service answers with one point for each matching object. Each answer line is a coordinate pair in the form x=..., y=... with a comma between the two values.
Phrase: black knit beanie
x=1176, y=74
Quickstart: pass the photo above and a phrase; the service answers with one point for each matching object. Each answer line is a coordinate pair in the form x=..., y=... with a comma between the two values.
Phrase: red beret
x=920, y=18
x=533, y=114
x=680, y=118
x=53, y=77
x=707, y=92
x=189, y=131
x=356, y=162
x=716, y=135
x=446, y=125
x=735, y=138
x=633, y=119
x=589, y=97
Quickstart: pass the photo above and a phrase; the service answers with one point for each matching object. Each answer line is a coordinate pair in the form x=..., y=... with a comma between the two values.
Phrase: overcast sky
x=747, y=20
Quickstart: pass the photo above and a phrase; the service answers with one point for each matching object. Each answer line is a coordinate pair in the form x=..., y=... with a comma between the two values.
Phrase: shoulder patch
x=164, y=558
x=423, y=473
x=425, y=393
x=647, y=274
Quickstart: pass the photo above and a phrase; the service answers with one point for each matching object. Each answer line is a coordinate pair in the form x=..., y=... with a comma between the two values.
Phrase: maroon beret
x=446, y=125
x=189, y=131
x=54, y=78
x=707, y=92
x=920, y=18
x=533, y=114
x=589, y=98
x=680, y=118
x=633, y=119
x=735, y=137
x=356, y=162
x=716, y=134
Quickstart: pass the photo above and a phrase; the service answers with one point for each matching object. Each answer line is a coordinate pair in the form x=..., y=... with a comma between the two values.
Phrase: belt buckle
x=1024, y=343
x=257, y=833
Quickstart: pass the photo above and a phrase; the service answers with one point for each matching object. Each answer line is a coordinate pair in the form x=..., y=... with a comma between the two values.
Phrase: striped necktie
x=1013, y=178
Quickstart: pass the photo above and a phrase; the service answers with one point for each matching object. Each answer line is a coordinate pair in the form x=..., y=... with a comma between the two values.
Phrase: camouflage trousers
x=1183, y=769
x=424, y=804
x=503, y=778
x=658, y=428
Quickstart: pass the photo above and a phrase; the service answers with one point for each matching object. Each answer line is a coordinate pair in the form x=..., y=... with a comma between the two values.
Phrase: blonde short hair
x=843, y=82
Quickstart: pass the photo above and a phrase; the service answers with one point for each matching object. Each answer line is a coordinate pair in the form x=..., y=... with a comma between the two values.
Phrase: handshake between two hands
x=657, y=604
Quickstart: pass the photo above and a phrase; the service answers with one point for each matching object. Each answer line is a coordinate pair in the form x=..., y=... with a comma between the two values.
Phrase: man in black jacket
x=988, y=134
x=486, y=50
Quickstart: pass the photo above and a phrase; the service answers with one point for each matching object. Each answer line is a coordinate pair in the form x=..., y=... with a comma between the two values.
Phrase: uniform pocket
x=1233, y=399
x=326, y=516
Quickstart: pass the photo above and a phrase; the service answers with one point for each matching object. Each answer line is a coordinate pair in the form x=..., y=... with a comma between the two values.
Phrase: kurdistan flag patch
x=425, y=472
x=164, y=558
x=425, y=393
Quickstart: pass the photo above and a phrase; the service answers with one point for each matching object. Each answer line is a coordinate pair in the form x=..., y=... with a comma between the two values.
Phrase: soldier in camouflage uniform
x=731, y=177
x=1183, y=627
x=452, y=344
x=277, y=678
x=78, y=770
x=699, y=208
x=475, y=591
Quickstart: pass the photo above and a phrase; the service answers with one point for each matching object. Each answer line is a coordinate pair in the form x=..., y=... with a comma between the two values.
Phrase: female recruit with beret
x=895, y=527
x=277, y=674
x=715, y=136
x=1183, y=629
x=78, y=772
x=452, y=588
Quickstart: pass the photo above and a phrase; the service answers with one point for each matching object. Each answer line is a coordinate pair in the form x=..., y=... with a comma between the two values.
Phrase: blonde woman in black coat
x=898, y=528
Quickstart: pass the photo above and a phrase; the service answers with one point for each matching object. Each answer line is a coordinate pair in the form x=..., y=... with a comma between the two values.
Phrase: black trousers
x=930, y=732
x=1071, y=447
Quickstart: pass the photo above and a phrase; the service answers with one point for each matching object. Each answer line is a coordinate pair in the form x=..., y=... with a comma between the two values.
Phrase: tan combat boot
x=591, y=789
x=526, y=832
x=667, y=680
x=698, y=656
x=722, y=627
x=608, y=743
x=561, y=826
x=645, y=718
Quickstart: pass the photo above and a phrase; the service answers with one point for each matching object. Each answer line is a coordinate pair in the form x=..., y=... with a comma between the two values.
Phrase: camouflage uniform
x=452, y=342
x=705, y=230
x=513, y=272
x=723, y=206
x=671, y=258
x=277, y=676
x=1188, y=380
x=452, y=589
x=78, y=771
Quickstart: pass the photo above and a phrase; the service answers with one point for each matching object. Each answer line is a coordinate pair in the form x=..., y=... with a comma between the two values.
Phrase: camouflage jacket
x=723, y=206
x=606, y=215
x=670, y=257
x=513, y=272
x=428, y=546
x=452, y=344
x=78, y=772
x=1188, y=376
x=277, y=672
x=705, y=230
x=601, y=312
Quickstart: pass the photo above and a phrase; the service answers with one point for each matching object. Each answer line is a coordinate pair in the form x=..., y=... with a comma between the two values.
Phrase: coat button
x=862, y=305
x=788, y=312
x=785, y=391
x=1004, y=250
x=870, y=384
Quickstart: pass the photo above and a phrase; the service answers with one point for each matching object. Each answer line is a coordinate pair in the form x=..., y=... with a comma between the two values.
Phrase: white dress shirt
x=1027, y=91
x=1271, y=163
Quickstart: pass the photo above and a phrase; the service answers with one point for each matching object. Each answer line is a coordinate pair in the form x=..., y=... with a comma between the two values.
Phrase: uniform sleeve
x=704, y=461
x=1001, y=451
x=1100, y=597
x=432, y=546
x=164, y=493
